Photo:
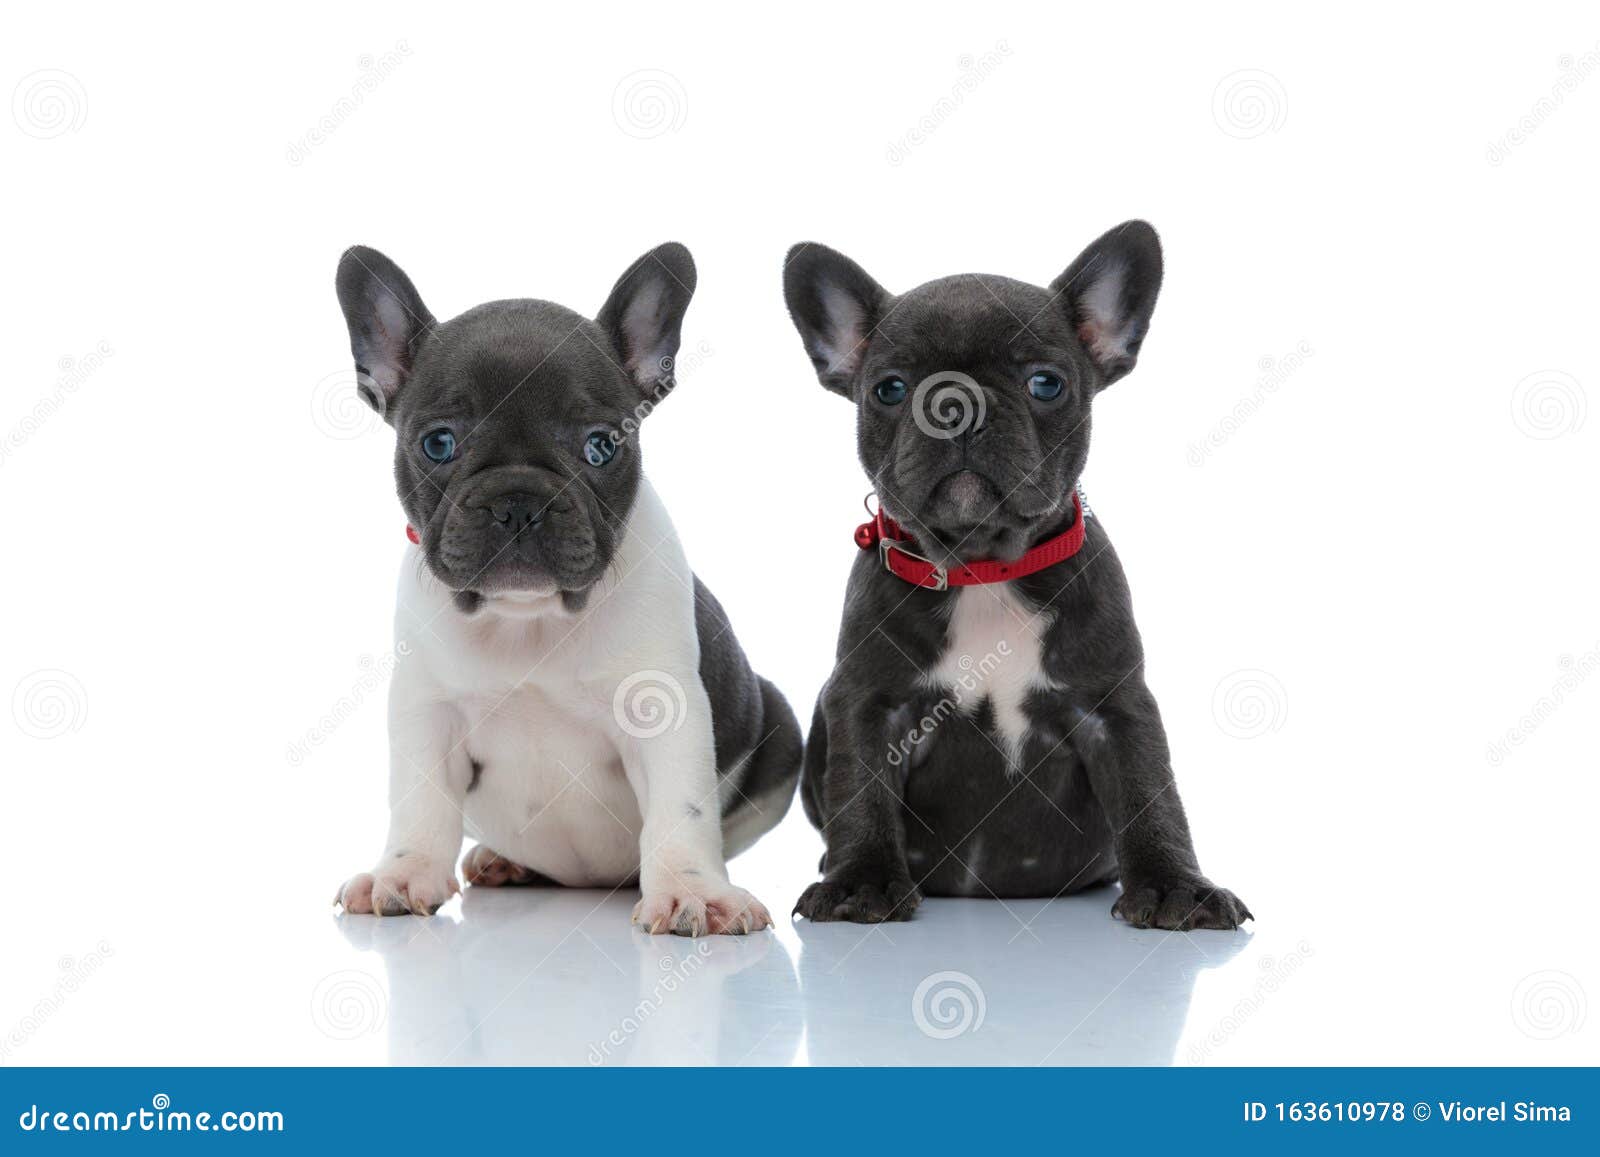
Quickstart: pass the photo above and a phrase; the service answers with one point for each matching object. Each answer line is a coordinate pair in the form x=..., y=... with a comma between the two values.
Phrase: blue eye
x=600, y=448
x=890, y=391
x=1045, y=387
x=439, y=445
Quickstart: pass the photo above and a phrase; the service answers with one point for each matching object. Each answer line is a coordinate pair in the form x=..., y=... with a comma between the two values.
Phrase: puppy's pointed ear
x=643, y=317
x=387, y=320
x=835, y=305
x=1110, y=292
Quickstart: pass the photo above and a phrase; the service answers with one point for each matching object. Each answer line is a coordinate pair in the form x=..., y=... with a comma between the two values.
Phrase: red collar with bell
x=899, y=559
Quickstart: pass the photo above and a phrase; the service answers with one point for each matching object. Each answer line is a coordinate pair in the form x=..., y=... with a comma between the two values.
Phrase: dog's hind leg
x=765, y=787
x=816, y=762
x=487, y=868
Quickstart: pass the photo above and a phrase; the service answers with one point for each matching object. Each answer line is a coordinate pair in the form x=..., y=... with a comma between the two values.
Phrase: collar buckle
x=937, y=580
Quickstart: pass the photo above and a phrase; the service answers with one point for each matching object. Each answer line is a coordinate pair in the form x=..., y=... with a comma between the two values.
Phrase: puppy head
x=973, y=392
x=515, y=454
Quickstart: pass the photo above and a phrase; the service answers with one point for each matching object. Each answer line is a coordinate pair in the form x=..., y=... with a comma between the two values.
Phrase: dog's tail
x=771, y=771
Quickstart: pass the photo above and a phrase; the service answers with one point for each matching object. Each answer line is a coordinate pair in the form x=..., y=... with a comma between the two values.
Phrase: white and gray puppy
x=570, y=695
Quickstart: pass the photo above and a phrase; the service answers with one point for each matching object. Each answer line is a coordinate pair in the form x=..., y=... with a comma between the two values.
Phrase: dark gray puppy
x=994, y=739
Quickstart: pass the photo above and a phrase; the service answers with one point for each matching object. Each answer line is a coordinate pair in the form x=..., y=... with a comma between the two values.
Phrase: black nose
x=517, y=512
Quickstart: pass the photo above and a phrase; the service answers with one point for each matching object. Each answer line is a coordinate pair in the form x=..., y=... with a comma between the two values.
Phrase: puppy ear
x=1110, y=292
x=835, y=305
x=643, y=317
x=387, y=320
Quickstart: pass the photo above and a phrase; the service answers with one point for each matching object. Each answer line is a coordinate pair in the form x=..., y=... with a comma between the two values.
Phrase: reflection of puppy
x=467, y=991
x=1052, y=774
x=570, y=689
x=1030, y=982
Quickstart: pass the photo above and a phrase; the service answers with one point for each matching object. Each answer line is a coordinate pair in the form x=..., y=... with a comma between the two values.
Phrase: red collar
x=885, y=534
x=411, y=533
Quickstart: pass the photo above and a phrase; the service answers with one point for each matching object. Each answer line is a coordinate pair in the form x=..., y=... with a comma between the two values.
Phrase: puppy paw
x=484, y=868
x=1179, y=905
x=687, y=910
x=413, y=884
x=859, y=901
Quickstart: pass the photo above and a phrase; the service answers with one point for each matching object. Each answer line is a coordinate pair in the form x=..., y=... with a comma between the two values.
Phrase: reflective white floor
x=552, y=976
x=255, y=968
x=559, y=977
x=232, y=970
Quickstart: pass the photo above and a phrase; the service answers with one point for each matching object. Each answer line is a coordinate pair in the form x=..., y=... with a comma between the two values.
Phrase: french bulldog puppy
x=987, y=730
x=570, y=694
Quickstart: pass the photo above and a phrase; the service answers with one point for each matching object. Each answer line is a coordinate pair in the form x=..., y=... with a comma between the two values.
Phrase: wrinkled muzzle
x=966, y=458
x=521, y=529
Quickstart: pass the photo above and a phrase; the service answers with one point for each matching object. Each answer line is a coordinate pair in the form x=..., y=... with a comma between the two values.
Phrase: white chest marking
x=531, y=690
x=992, y=651
x=552, y=793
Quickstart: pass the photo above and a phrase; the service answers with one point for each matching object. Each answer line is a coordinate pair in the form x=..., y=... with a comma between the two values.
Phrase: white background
x=1357, y=569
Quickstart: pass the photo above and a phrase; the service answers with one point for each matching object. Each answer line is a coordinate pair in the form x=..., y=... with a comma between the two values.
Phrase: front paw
x=409, y=883
x=686, y=908
x=1179, y=905
x=860, y=900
